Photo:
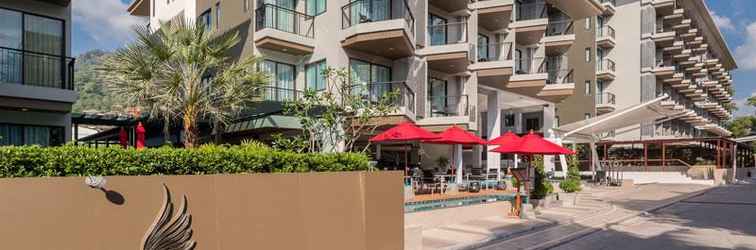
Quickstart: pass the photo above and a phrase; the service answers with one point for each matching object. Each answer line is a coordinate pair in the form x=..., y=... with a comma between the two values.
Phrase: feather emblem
x=169, y=232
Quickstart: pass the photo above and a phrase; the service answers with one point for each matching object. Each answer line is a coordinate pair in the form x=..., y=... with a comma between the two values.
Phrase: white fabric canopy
x=583, y=131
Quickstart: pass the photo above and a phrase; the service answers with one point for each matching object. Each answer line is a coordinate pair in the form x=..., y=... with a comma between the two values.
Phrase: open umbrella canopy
x=532, y=144
x=508, y=138
x=457, y=135
x=406, y=131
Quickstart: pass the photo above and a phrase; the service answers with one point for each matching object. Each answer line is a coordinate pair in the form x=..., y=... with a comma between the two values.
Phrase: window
x=588, y=87
x=533, y=124
x=314, y=78
x=315, y=7
x=509, y=120
x=587, y=116
x=483, y=45
x=217, y=15
x=206, y=19
x=588, y=23
x=17, y=135
x=437, y=29
x=587, y=54
x=371, y=79
x=437, y=97
x=281, y=86
x=42, y=38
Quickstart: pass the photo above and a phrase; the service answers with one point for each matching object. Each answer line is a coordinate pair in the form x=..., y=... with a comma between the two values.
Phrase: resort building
x=682, y=56
x=487, y=66
x=36, y=72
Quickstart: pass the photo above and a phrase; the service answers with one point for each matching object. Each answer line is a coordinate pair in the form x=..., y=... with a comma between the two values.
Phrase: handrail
x=369, y=13
x=446, y=105
x=274, y=93
x=284, y=19
x=530, y=63
x=453, y=33
x=606, y=98
x=606, y=64
x=606, y=31
x=36, y=68
x=559, y=76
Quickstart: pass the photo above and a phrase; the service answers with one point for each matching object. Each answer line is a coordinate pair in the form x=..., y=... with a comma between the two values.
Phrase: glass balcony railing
x=529, y=11
x=36, y=69
x=605, y=98
x=560, y=28
x=605, y=65
x=444, y=106
x=279, y=94
x=605, y=31
x=612, y=2
x=448, y=33
x=366, y=11
x=286, y=20
x=494, y=52
x=529, y=65
x=560, y=76
x=376, y=91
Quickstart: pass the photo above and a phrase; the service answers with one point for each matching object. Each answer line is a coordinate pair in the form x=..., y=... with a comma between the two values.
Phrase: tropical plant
x=183, y=71
x=572, y=182
x=542, y=186
x=752, y=100
x=335, y=118
x=741, y=126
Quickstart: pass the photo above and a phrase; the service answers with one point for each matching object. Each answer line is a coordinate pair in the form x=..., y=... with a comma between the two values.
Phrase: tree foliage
x=572, y=182
x=741, y=126
x=542, y=186
x=93, y=94
x=183, y=71
x=335, y=118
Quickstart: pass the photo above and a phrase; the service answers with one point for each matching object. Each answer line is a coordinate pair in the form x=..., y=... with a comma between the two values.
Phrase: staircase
x=667, y=177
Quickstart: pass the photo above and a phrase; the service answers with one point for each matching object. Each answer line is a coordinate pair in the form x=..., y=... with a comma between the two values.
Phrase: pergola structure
x=110, y=136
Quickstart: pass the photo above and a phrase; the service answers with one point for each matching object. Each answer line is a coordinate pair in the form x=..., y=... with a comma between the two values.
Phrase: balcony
x=560, y=36
x=494, y=62
x=529, y=76
x=448, y=49
x=605, y=103
x=404, y=101
x=605, y=37
x=605, y=69
x=36, y=76
x=664, y=70
x=578, y=9
x=450, y=6
x=284, y=30
x=531, y=22
x=378, y=27
x=664, y=37
x=609, y=6
x=447, y=110
x=664, y=7
x=493, y=15
x=559, y=85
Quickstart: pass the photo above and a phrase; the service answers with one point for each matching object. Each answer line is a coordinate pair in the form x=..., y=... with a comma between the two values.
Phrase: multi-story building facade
x=682, y=55
x=36, y=72
x=489, y=66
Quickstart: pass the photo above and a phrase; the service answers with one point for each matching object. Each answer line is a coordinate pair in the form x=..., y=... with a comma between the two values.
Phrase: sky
x=105, y=24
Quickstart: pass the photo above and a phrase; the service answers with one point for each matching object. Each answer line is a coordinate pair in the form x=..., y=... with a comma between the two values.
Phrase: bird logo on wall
x=169, y=232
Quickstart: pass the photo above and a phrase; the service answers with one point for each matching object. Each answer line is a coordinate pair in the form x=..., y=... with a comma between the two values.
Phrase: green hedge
x=28, y=161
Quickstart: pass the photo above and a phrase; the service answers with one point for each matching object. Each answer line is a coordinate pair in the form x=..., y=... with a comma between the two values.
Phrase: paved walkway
x=625, y=204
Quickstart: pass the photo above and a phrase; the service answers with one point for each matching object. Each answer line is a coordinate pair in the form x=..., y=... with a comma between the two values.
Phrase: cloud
x=723, y=22
x=745, y=54
x=104, y=21
x=743, y=108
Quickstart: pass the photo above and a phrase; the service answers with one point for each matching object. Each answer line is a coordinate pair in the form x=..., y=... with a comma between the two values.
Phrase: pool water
x=417, y=206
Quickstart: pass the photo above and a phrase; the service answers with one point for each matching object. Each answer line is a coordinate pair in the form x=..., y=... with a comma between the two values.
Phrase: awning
x=646, y=112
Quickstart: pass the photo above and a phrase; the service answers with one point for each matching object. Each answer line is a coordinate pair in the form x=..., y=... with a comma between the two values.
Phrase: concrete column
x=493, y=160
x=518, y=123
x=457, y=148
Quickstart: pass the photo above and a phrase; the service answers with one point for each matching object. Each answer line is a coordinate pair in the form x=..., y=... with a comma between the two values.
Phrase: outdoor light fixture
x=97, y=182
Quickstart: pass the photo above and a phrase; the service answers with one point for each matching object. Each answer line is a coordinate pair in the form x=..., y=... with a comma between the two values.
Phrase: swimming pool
x=417, y=206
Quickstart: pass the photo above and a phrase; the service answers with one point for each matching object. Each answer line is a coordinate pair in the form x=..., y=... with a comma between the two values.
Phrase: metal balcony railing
x=36, y=69
x=605, y=65
x=612, y=2
x=529, y=11
x=494, y=52
x=286, y=20
x=560, y=76
x=375, y=91
x=366, y=11
x=605, y=31
x=605, y=98
x=448, y=33
x=529, y=65
x=443, y=106
x=279, y=94
x=560, y=28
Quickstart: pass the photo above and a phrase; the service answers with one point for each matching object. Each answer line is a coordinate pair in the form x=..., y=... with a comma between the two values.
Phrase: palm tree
x=183, y=71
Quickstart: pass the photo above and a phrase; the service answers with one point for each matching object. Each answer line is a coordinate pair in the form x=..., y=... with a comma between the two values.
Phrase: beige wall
x=573, y=108
x=347, y=210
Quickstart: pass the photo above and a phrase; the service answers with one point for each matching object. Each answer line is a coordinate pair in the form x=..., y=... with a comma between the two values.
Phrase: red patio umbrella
x=123, y=138
x=531, y=144
x=506, y=141
x=140, y=131
x=458, y=137
x=404, y=132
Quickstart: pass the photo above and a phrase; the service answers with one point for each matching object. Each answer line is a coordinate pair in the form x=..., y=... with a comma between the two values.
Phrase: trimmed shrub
x=572, y=184
x=29, y=161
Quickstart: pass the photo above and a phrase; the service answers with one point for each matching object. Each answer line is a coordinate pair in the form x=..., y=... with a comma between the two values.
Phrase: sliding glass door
x=370, y=80
x=281, y=87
